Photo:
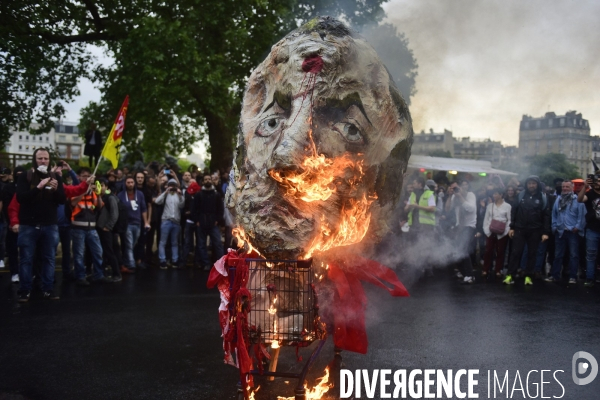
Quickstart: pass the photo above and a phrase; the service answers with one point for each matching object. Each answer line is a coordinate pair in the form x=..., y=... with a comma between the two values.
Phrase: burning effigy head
x=324, y=140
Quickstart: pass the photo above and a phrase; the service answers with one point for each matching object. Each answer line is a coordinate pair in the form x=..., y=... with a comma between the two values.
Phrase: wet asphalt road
x=156, y=336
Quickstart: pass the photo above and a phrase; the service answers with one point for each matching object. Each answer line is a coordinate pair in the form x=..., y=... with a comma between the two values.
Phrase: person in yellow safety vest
x=421, y=208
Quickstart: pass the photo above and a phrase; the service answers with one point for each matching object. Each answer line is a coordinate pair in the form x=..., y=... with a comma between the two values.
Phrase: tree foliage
x=440, y=153
x=184, y=64
x=392, y=47
x=546, y=166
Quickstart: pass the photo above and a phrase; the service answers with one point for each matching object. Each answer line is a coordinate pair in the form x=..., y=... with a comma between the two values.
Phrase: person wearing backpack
x=107, y=226
x=530, y=225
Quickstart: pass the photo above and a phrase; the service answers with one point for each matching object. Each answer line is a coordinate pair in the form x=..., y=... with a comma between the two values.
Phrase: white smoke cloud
x=483, y=64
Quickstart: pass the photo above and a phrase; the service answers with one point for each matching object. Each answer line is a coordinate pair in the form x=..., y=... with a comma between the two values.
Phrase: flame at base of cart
x=316, y=392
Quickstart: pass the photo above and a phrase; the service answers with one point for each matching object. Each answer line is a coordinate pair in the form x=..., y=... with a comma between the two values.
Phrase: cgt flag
x=113, y=143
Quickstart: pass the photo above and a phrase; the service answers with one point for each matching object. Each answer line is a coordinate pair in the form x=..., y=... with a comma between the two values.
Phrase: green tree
x=392, y=47
x=183, y=64
x=551, y=166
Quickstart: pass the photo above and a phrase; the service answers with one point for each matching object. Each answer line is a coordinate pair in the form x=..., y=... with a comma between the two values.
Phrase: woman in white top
x=499, y=212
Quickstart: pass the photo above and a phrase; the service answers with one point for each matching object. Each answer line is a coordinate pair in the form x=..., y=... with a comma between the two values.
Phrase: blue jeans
x=82, y=239
x=131, y=238
x=45, y=239
x=592, y=240
x=188, y=245
x=540, y=260
x=568, y=239
x=169, y=229
x=215, y=241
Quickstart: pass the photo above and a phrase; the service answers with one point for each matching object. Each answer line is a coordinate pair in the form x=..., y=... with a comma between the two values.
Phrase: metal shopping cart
x=284, y=311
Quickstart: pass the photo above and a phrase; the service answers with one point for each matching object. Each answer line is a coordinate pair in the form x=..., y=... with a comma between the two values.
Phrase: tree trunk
x=221, y=136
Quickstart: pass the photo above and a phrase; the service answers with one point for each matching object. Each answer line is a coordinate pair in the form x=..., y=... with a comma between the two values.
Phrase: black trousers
x=12, y=251
x=466, y=247
x=108, y=251
x=531, y=238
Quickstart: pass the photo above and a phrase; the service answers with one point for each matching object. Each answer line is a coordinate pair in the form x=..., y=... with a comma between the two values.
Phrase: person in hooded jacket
x=207, y=211
x=530, y=225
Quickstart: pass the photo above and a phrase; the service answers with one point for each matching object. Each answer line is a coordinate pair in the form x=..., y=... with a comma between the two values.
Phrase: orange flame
x=323, y=385
x=243, y=239
x=315, y=182
x=251, y=392
x=354, y=224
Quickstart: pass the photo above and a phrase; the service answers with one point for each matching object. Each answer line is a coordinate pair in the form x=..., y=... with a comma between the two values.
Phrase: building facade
x=426, y=144
x=479, y=149
x=68, y=143
x=23, y=142
x=64, y=138
x=567, y=134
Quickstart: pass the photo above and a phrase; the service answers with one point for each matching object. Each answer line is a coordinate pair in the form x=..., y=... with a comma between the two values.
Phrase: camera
x=60, y=164
x=457, y=190
x=167, y=172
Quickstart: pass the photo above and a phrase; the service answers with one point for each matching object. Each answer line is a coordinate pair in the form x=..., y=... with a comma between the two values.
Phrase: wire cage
x=284, y=305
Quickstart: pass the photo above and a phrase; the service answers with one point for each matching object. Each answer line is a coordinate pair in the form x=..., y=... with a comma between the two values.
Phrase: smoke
x=483, y=64
x=414, y=259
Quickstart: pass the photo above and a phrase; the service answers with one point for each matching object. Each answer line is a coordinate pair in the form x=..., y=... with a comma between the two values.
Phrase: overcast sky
x=483, y=64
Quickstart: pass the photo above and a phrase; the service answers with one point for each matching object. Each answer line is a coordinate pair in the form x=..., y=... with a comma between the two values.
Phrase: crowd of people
x=515, y=230
x=108, y=225
x=124, y=221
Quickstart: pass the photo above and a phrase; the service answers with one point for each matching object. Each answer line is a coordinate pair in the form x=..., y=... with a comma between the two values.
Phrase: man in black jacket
x=530, y=225
x=39, y=193
x=93, y=144
x=207, y=211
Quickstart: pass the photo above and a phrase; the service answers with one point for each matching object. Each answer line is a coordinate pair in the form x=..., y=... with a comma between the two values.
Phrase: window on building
x=20, y=137
x=550, y=121
x=526, y=125
x=41, y=138
x=75, y=149
x=68, y=129
x=62, y=138
x=26, y=147
x=20, y=147
x=538, y=124
x=26, y=137
x=562, y=122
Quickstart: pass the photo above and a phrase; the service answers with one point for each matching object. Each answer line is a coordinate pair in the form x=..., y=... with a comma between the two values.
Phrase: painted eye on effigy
x=269, y=126
x=349, y=132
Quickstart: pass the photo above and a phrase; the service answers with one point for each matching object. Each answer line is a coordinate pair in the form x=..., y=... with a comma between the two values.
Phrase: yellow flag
x=113, y=142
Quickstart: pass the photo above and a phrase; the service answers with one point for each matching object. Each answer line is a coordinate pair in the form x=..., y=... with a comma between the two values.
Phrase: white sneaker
x=469, y=279
x=1, y=263
x=459, y=275
x=15, y=278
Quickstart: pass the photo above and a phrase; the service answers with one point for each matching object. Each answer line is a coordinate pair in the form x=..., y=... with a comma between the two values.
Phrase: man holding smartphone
x=173, y=201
